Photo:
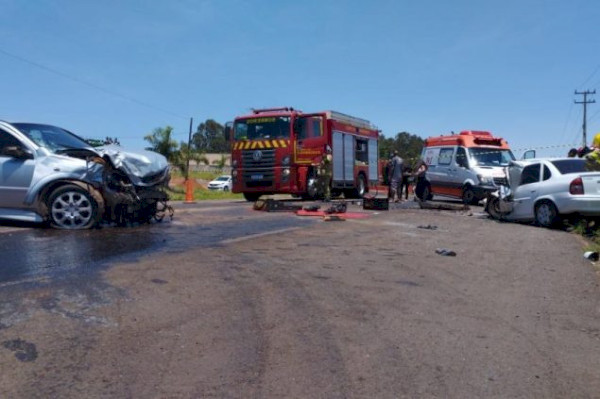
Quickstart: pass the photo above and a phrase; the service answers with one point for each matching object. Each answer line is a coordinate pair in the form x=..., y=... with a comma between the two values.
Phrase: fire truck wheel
x=361, y=186
x=251, y=197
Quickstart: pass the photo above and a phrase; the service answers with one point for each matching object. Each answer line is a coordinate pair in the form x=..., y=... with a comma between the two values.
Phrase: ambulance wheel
x=468, y=196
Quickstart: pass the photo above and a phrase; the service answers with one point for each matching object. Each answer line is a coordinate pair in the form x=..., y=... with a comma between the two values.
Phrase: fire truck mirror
x=297, y=126
x=228, y=130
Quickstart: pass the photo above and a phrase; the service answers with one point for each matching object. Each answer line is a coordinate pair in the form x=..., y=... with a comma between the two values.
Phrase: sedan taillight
x=576, y=187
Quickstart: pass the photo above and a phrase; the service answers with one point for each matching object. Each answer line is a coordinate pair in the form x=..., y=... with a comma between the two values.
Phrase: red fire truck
x=277, y=151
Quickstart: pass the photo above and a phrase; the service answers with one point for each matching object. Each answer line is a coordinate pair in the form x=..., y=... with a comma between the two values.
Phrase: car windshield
x=274, y=127
x=52, y=138
x=491, y=156
x=222, y=178
x=566, y=166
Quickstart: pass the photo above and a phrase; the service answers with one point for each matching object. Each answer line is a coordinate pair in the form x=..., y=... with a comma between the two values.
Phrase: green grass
x=201, y=194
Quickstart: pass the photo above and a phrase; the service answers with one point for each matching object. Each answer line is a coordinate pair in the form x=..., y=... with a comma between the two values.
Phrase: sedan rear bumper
x=583, y=205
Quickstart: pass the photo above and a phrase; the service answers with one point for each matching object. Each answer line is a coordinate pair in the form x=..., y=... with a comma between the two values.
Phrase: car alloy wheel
x=72, y=208
x=546, y=214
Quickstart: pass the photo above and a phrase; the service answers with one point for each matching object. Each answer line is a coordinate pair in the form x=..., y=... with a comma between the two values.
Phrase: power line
x=89, y=84
x=589, y=77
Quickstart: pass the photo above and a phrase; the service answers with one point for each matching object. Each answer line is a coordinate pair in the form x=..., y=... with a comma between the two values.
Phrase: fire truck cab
x=278, y=150
x=464, y=165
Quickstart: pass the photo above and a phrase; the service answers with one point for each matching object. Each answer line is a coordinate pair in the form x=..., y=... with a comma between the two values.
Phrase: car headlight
x=485, y=180
x=285, y=172
x=285, y=160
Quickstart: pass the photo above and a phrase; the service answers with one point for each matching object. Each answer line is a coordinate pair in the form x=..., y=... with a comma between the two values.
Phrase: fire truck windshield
x=271, y=127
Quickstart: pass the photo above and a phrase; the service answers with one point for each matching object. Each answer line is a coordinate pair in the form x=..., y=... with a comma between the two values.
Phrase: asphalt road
x=228, y=302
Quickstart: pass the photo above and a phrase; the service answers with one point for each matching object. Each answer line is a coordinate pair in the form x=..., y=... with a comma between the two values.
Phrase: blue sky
x=123, y=68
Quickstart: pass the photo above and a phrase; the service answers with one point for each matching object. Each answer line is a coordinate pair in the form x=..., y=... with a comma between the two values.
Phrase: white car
x=221, y=183
x=543, y=190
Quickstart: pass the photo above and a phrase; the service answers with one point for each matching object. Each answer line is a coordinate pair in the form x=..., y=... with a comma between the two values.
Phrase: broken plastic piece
x=445, y=252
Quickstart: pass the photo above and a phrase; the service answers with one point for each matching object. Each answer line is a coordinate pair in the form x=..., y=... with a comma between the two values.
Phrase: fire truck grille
x=259, y=177
x=258, y=159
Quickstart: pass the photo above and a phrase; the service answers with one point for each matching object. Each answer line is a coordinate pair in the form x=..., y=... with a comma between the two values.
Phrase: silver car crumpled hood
x=144, y=168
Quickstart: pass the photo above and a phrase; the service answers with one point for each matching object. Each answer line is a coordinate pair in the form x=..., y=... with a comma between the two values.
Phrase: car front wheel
x=72, y=208
x=546, y=214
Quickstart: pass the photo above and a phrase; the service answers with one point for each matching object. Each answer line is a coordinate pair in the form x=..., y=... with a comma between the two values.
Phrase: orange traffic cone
x=189, y=191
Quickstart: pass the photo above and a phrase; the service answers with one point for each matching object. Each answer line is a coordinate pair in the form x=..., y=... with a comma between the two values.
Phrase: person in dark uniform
x=325, y=174
x=420, y=182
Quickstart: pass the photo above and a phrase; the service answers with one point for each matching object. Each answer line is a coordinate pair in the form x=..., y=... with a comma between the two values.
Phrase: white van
x=464, y=165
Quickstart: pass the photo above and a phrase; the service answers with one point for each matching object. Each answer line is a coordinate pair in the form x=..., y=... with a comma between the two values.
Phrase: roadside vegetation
x=201, y=193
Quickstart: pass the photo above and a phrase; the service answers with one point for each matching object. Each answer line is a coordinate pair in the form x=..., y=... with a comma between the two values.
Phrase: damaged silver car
x=48, y=174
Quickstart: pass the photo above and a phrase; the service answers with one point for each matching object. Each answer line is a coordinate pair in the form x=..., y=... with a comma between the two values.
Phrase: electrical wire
x=89, y=84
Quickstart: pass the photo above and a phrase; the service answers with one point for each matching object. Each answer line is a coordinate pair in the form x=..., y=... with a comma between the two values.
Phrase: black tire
x=546, y=214
x=71, y=207
x=252, y=197
x=493, y=208
x=468, y=196
x=361, y=187
x=225, y=188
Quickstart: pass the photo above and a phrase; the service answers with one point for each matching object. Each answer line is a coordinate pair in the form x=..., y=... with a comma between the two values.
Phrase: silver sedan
x=48, y=174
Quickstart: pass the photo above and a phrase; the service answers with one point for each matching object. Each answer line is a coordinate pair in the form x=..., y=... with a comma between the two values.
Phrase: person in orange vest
x=592, y=158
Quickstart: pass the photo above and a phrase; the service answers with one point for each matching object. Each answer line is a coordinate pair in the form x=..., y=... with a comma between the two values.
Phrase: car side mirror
x=17, y=152
x=529, y=154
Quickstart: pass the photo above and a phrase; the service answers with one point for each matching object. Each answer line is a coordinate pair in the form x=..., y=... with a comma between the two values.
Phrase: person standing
x=419, y=173
x=396, y=170
x=325, y=174
x=406, y=176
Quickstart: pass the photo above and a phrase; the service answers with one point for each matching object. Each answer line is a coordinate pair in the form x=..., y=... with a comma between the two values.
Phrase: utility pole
x=585, y=102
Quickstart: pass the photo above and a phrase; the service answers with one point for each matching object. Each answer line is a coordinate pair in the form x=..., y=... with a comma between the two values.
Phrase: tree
x=409, y=146
x=209, y=137
x=180, y=157
x=161, y=141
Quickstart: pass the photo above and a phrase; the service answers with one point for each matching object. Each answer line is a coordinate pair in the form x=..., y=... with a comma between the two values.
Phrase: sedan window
x=547, y=173
x=7, y=140
x=530, y=174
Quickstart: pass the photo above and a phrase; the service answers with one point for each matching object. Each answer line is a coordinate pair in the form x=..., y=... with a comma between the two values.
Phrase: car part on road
x=271, y=205
x=375, y=203
x=445, y=252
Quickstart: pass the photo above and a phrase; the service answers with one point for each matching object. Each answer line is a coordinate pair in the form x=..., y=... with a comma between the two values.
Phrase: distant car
x=221, y=183
x=543, y=190
x=49, y=174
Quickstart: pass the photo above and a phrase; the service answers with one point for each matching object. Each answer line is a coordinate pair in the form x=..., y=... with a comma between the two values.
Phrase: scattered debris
x=445, y=252
x=428, y=227
x=24, y=351
x=333, y=218
x=443, y=206
x=337, y=207
x=271, y=205
x=312, y=208
x=592, y=256
x=375, y=203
